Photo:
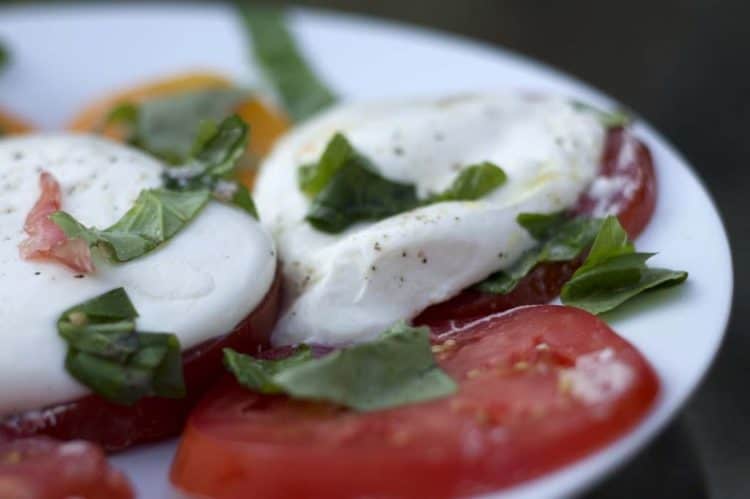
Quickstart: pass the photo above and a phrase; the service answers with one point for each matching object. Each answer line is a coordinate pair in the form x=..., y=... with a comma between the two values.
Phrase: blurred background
x=683, y=66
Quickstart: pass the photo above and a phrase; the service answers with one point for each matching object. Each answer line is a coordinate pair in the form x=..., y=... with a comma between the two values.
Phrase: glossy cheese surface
x=348, y=287
x=198, y=285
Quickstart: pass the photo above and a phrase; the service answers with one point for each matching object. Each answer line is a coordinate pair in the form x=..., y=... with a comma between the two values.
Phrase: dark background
x=684, y=66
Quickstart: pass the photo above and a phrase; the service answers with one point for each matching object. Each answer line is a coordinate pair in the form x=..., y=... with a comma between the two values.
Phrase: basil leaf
x=107, y=354
x=4, y=57
x=258, y=374
x=610, y=119
x=313, y=178
x=301, y=91
x=613, y=273
x=156, y=216
x=345, y=188
x=472, y=183
x=167, y=127
x=357, y=193
x=216, y=152
x=560, y=239
x=397, y=368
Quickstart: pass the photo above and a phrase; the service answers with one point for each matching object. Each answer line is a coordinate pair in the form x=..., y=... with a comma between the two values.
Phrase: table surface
x=681, y=64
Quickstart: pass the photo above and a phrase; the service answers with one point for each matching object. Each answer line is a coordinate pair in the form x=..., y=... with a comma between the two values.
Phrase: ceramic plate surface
x=65, y=56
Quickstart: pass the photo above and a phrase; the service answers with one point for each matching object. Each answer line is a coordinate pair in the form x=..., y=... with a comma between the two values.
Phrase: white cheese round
x=198, y=285
x=349, y=287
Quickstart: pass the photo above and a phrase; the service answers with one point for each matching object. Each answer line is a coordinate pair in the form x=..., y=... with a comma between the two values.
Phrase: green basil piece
x=301, y=91
x=474, y=182
x=346, y=188
x=614, y=272
x=396, y=369
x=107, y=354
x=156, y=216
x=313, y=178
x=167, y=127
x=216, y=151
x=4, y=57
x=357, y=193
x=560, y=239
x=609, y=119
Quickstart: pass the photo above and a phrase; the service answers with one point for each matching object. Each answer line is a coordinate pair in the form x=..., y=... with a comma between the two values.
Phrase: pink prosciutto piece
x=46, y=240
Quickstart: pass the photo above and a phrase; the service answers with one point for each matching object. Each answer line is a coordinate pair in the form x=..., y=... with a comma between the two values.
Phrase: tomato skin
x=40, y=468
x=624, y=156
x=115, y=426
x=512, y=419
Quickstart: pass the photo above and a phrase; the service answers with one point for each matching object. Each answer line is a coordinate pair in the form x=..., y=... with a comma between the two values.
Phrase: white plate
x=65, y=56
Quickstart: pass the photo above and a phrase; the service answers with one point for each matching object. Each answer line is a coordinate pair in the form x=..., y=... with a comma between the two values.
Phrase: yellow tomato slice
x=266, y=123
x=11, y=124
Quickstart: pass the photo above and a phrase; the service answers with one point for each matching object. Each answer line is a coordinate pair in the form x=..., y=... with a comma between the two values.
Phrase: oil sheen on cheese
x=349, y=287
x=198, y=285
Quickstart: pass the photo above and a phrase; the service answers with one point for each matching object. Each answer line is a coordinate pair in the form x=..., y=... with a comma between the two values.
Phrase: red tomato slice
x=40, y=468
x=116, y=427
x=540, y=387
x=626, y=161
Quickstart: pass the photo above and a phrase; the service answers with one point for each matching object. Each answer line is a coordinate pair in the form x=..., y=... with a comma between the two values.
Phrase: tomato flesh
x=540, y=386
x=625, y=160
x=41, y=468
x=115, y=426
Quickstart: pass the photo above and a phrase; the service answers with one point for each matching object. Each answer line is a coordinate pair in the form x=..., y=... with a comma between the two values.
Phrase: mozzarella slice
x=199, y=285
x=349, y=287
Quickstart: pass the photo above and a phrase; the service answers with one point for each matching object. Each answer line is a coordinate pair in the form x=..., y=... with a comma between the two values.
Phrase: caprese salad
x=378, y=326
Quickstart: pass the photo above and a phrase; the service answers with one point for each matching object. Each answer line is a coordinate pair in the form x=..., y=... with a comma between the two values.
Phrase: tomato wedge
x=41, y=468
x=540, y=386
x=627, y=164
x=116, y=427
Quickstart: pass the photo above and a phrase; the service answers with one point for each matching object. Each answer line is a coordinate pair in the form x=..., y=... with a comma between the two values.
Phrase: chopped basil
x=4, y=57
x=397, y=368
x=313, y=178
x=301, y=91
x=217, y=150
x=472, y=183
x=357, y=193
x=560, y=239
x=156, y=216
x=614, y=273
x=167, y=126
x=610, y=119
x=345, y=188
x=108, y=355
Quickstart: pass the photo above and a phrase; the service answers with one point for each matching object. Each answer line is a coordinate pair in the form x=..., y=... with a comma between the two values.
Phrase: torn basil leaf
x=217, y=150
x=4, y=57
x=397, y=368
x=156, y=216
x=346, y=188
x=301, y=91
x=313, y=178
x=609, y=119
x=357, y=193
x=107, y=354
x=560, y=238
x=614, y=272
x=474, y=182
x=167, y=127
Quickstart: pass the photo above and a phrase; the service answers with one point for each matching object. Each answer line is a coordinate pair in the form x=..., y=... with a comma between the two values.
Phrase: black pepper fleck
x=398, y=151
x=377, y=246
x=37, y=273
x=79, y=276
